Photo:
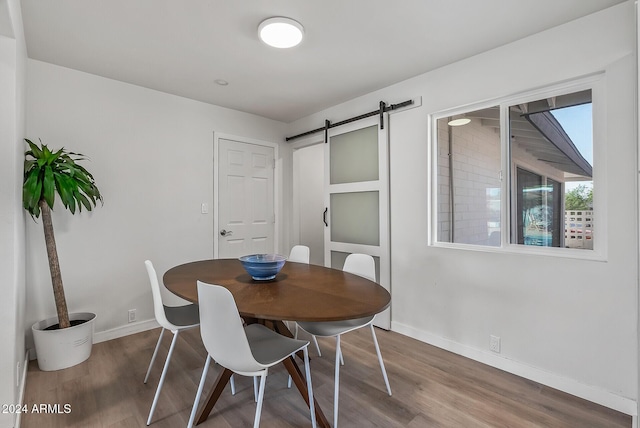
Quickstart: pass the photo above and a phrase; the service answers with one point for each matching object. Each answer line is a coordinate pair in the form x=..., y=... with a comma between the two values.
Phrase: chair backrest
x=221, y=329
x=299, y=254
x=361, y=264
x=158, y=307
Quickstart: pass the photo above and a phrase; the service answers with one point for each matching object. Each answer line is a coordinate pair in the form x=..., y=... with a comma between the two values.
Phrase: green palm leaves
x=47, y=173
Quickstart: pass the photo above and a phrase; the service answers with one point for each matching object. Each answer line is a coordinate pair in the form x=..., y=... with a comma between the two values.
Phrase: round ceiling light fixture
x=281, y=32
x=459, y=122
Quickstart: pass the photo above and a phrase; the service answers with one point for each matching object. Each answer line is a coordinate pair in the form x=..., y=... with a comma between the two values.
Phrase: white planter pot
x=62, y=348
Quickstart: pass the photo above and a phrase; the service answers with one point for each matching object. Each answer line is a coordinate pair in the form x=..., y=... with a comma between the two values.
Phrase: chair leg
x=384, y=371
x=336, y=381
x=295, y=336
x=192, y=417
x=155, y=353
x=317, y=346
x=233, y=385
x=263, y=378
x=307, y=370
x=255, y=388
x=164, y=373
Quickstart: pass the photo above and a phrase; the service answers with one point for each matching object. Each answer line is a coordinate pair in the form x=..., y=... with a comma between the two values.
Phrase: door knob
x=226, y=232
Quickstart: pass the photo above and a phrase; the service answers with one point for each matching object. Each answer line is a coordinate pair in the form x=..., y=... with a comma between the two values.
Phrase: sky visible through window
x=577, y=122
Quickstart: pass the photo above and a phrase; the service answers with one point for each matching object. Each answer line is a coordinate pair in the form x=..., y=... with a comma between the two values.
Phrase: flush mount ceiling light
x=459, y=122
x=280, y=32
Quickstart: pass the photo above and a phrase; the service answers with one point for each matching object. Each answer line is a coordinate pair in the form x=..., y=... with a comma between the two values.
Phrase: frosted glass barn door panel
x=354, y=156
x=355, y=218
x=357, y=197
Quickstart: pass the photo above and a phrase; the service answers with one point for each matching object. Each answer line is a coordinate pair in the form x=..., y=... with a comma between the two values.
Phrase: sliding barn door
x=357, y=198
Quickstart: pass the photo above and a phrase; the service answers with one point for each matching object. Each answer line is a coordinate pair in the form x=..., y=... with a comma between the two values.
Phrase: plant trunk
x=54, y=266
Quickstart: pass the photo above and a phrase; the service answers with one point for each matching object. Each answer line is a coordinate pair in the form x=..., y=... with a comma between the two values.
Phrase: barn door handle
x=324, y=217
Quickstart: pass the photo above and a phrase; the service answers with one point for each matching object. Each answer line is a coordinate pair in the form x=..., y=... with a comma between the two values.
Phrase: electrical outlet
x=494, y=343
x=132, y=315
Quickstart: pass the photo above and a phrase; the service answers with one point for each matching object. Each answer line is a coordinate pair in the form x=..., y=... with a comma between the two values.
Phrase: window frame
x=595, y=83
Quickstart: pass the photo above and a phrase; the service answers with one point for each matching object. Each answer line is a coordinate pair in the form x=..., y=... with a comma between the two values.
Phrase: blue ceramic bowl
x=262, y=267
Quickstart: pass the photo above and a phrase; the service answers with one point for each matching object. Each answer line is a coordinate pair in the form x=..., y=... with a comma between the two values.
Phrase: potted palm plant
x=65, y=340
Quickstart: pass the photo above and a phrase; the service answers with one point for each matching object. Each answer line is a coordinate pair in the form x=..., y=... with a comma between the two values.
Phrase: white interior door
x=308, y=200
x=357, y=198
x=245, y=202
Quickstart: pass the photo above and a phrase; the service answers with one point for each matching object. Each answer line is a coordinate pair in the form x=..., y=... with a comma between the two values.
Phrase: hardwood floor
x=431, y=388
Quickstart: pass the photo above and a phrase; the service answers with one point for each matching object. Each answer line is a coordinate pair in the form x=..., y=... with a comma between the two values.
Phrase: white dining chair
x=172, y=318
x=299, y=254
x=362, y=265
x=246, y=350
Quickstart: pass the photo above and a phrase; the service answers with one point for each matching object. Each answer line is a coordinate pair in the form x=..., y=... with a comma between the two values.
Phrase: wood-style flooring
x=431, y=388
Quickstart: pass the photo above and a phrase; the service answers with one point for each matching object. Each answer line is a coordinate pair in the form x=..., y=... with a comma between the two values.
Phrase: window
x=517, y=172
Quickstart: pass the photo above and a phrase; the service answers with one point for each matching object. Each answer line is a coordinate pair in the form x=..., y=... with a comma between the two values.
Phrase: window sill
x=569, y=253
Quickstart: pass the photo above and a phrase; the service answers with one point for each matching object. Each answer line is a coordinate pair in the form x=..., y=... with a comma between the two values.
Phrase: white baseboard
x=125, y=330
x=570, y=386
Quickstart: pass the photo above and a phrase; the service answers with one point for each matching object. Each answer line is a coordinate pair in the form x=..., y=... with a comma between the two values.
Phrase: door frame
x=277, y=183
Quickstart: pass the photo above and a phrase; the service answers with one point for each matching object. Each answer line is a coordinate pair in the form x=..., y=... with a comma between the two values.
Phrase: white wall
x=12, y=254
x=565, y=322
x=152, y=157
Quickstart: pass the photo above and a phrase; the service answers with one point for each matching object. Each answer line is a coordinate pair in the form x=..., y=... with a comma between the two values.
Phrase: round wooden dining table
x=300, y=292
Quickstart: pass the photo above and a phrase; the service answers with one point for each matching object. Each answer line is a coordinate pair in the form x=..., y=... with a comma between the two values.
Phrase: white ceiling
x=351, y=47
